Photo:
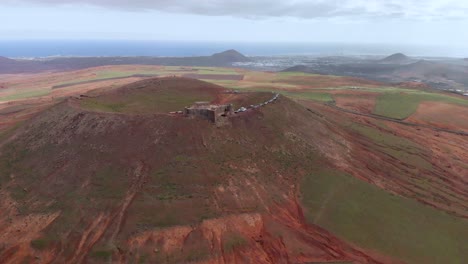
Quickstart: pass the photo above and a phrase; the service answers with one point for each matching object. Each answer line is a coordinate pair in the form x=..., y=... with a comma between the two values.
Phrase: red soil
x=441, y=115
x=359, y=101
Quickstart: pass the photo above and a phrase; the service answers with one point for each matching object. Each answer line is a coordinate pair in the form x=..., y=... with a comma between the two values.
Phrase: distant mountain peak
x=396, y=58
x=231, y=55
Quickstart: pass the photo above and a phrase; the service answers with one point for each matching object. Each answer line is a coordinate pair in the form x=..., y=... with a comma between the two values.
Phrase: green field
x=144, y=102
x=369, y=217
x=402, y=105
x=286, y=74
x=24, y=95
x=214, y=70
x=107, y=75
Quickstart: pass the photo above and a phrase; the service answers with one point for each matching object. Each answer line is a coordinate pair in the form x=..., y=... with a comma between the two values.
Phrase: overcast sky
x=439, y=22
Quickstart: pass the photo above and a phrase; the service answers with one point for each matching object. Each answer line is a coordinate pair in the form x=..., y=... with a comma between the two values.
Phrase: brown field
x=356, y=101
x=441, y=115
x=322, y=81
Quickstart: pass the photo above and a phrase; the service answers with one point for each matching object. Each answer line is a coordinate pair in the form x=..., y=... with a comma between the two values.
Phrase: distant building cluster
x=457, y=91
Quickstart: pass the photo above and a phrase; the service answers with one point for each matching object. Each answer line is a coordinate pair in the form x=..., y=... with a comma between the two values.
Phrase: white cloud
x=308, y=9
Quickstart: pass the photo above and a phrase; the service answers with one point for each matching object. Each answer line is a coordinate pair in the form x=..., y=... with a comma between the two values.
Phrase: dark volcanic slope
x=60, y=64
x=103, y=180
x=435, y=71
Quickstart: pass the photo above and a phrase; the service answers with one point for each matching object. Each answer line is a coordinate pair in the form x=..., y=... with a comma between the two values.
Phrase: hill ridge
x=225, y=58
x=396, y=58
x=231, y=55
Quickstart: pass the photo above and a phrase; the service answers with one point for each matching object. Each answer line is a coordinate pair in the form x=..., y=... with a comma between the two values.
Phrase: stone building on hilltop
x=208, y=111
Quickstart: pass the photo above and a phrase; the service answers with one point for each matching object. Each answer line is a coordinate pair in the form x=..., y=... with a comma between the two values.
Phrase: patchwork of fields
x=349, y=93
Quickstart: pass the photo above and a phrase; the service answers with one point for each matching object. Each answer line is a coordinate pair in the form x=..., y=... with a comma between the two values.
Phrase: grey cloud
x=414, y=9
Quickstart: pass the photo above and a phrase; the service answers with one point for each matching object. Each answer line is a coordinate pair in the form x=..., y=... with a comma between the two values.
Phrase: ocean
x=49, y=48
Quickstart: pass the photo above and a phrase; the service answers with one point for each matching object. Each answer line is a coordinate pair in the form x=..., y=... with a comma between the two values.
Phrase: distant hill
x=4, y=61
x=421, y=66
x=437, y=74
x=8, y=65
x=230, y=56
x=434, y=71
x=222, y=59
x=396, y=58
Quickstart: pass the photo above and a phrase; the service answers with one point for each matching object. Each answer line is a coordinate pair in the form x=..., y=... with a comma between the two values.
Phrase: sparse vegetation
x=233, y=241
x=24, y=94
x=39, y=244
x=101, y=254
x=109, y=183
x=400, y=148
x=164, y=100
x=97, y=105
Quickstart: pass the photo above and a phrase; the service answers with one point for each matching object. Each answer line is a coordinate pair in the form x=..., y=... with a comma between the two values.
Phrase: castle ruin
x=205, y=110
